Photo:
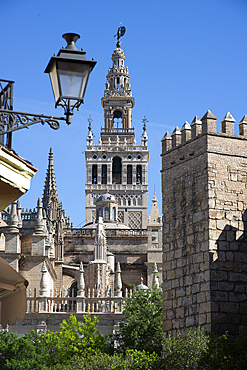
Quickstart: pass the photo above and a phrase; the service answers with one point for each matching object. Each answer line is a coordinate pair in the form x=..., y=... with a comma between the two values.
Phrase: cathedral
x=75, y=270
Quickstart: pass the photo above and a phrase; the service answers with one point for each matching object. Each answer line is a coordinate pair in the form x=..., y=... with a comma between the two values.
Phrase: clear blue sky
x=184, y=57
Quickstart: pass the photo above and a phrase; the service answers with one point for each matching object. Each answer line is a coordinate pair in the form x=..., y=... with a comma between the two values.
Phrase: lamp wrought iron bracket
x=69, y=108
x=12, y=121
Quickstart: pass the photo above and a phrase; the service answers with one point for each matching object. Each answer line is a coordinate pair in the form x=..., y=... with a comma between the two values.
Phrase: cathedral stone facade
x=73, y=270
x=204, y=201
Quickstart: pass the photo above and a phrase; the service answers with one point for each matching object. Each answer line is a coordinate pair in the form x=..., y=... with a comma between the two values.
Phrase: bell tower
x=117, y=165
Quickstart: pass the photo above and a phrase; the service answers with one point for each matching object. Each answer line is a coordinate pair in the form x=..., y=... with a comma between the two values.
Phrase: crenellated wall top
x=205, y=125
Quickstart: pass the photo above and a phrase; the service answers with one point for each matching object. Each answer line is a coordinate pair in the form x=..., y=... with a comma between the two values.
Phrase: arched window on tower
x=94, y=174
x=139, y=174
x=117, y=170
x=104, y=174
x=117, y=119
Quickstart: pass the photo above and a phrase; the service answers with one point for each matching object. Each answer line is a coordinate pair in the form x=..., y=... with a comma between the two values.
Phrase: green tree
x=27, y=352
x=75, y=338
x=142, y=327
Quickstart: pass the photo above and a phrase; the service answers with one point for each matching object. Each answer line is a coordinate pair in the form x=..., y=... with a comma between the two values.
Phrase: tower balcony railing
x=114, y=146
x=109, y=232
x=112, y=187
x=117, y=130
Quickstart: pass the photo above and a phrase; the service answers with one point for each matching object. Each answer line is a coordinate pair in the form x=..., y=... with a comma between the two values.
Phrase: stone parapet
x=207, y=125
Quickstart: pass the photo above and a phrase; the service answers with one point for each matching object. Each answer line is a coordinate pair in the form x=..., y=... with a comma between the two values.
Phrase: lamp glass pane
x=54, y=82
x=73, y=79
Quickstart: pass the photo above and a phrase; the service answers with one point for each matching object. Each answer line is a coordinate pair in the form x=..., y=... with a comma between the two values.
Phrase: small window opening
x=94, y=174
x=104, y=174
x=113, y=214
x=107, y=214
x=139, y=174
x=129, y=174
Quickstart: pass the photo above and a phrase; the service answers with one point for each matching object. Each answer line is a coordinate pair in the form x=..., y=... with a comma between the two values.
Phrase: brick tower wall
x=204, y=191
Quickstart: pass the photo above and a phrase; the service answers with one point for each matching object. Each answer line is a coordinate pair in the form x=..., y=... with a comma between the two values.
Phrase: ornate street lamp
x=69, y=72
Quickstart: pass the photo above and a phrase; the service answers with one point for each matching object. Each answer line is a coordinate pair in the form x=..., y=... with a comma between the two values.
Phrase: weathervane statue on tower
x=120, y=32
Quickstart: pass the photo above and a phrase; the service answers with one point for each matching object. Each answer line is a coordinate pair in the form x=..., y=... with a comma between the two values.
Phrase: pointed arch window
x=117, y=170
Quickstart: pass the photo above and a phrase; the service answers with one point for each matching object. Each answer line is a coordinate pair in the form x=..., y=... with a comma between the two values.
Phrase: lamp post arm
x=12, y=121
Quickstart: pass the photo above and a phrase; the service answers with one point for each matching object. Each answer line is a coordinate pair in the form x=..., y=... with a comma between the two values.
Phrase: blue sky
x=184, y=57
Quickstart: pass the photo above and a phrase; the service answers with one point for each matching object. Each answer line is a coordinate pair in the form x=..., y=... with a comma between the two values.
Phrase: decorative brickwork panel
x=120, y=216
x=135, y=220
x=93, y=216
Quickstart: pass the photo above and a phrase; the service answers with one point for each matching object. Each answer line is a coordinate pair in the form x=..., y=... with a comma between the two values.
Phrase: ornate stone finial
x=13, y=218
x=90, y=134
x=81, y=282
x=19, y=214
x=118, y=282
x=118, y=140
x=144, y=134
x=39, y=225
x=44, y=281
x=155, y=276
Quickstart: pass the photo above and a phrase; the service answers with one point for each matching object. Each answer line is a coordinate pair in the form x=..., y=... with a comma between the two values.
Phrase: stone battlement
x=205, y=125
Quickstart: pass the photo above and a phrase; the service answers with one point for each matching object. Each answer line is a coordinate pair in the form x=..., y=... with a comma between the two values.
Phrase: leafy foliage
x=224, y=353
x=142, y=328
x=80, y=346
x=136, y=360
x=27, y=352
x=75, y=338
x=184, y=352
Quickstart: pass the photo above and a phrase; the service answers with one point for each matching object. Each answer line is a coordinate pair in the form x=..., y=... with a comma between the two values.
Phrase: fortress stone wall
x=204, y=196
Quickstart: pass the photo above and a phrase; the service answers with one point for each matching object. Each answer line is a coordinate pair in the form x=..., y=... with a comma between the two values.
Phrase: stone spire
x=50, y=189
x=154, y=217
